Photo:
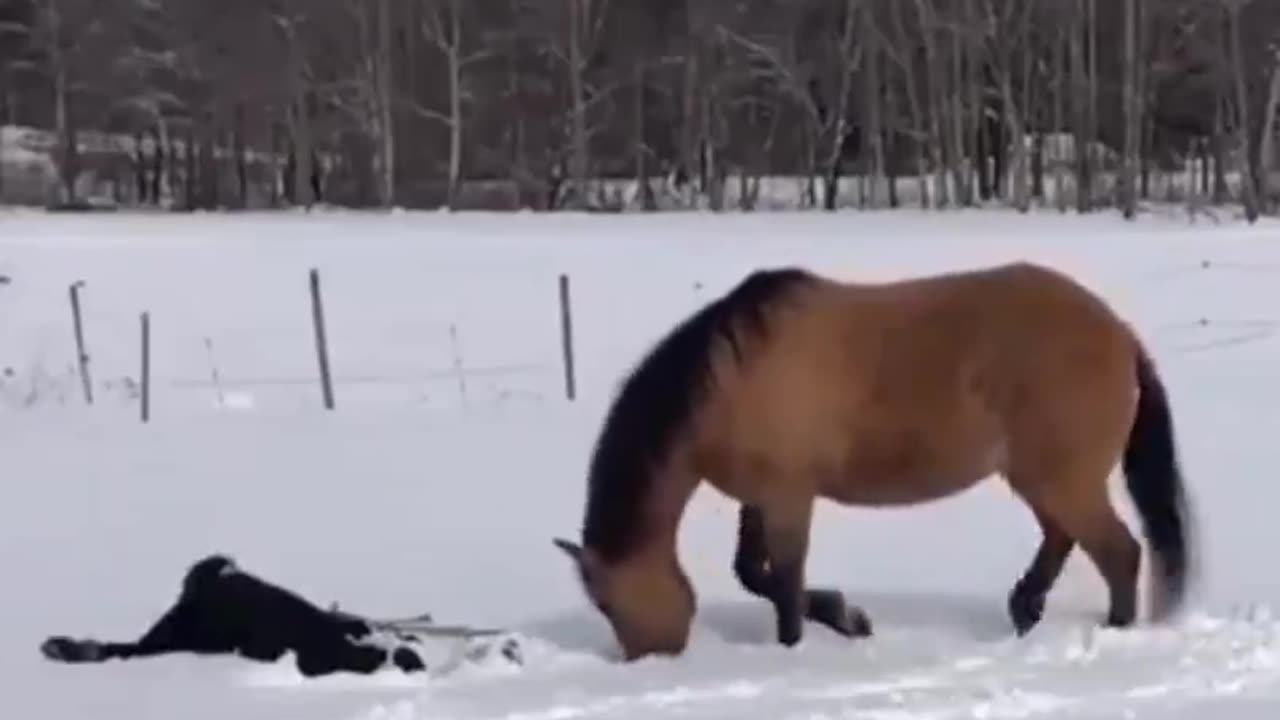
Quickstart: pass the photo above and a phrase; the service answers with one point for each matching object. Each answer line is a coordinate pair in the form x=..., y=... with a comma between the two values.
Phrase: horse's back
x=928, y=381
x=1009, y=309
x=930, y=338
x=1000, y=335
x=1007, y=369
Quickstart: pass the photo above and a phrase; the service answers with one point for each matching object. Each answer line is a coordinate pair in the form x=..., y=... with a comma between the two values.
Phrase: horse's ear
x=571, y=549
x=584, y=559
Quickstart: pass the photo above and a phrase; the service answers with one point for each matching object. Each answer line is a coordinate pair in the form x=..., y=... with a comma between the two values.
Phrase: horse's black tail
x=1155, y=483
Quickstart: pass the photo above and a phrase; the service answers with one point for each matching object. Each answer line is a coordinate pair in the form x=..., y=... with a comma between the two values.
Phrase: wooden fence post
x=82, y=356
x=144, y=376
x=566, y=338
x=322, y=343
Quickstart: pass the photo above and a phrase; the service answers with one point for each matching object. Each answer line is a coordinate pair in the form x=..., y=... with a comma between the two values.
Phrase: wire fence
x=420, y=379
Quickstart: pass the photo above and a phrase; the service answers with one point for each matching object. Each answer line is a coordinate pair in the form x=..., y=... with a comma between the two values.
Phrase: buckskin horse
x=794, y=386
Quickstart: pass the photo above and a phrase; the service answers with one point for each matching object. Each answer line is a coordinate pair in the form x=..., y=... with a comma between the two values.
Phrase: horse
x=794, y=386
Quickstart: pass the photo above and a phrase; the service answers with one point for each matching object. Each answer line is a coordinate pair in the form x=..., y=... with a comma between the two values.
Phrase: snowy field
x=453, y=457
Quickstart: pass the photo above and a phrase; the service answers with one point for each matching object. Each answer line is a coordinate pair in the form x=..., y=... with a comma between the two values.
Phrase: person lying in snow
x=224, y=610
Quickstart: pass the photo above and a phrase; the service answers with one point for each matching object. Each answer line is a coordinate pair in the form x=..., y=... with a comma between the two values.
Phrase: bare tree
x=1240, y=82
x=442, y=24
x=75, y=40
x=1267, y=151
x=375, y=102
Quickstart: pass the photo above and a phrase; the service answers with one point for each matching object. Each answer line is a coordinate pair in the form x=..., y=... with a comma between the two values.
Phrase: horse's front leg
x=751, y=558
x=785, y=524
x=825, y=606
x=786, y=537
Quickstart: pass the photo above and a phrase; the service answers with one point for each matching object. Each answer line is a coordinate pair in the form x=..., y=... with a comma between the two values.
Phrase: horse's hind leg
x=1113, y=550
x=751, y=559
x=825, y=606
x=1082, y=511
x=1027, y=598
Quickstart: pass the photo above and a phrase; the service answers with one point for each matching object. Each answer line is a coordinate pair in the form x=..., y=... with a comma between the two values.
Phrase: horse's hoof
x=829, y=608
x=789, y=637
x=859, y=623
x=1025, y=611
x=1119, y=620
x=853, y=622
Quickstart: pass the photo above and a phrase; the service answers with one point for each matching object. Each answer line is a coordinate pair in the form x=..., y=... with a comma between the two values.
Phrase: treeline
x=551, y=103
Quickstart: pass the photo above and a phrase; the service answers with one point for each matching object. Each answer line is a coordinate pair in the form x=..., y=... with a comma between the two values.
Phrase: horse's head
x=648, y=602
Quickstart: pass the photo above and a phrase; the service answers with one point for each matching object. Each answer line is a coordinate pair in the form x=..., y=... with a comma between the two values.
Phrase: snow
x=453, y=458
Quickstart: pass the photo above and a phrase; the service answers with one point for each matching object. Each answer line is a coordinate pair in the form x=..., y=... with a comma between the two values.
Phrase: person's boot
x=64, y=649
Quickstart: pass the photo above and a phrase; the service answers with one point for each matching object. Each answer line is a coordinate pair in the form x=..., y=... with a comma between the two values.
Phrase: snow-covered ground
x=431, y=488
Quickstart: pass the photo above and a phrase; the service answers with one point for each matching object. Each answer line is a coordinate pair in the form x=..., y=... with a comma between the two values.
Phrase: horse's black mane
x=655, y=402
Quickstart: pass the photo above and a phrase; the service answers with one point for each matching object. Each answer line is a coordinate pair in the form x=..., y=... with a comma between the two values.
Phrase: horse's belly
x=901, y=489
x=893, y=474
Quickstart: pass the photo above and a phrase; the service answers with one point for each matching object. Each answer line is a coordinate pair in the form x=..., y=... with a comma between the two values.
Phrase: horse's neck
x=664, y=509
x=656, y=548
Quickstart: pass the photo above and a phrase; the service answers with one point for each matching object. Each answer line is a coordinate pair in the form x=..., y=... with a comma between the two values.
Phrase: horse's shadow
x=750, y=622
